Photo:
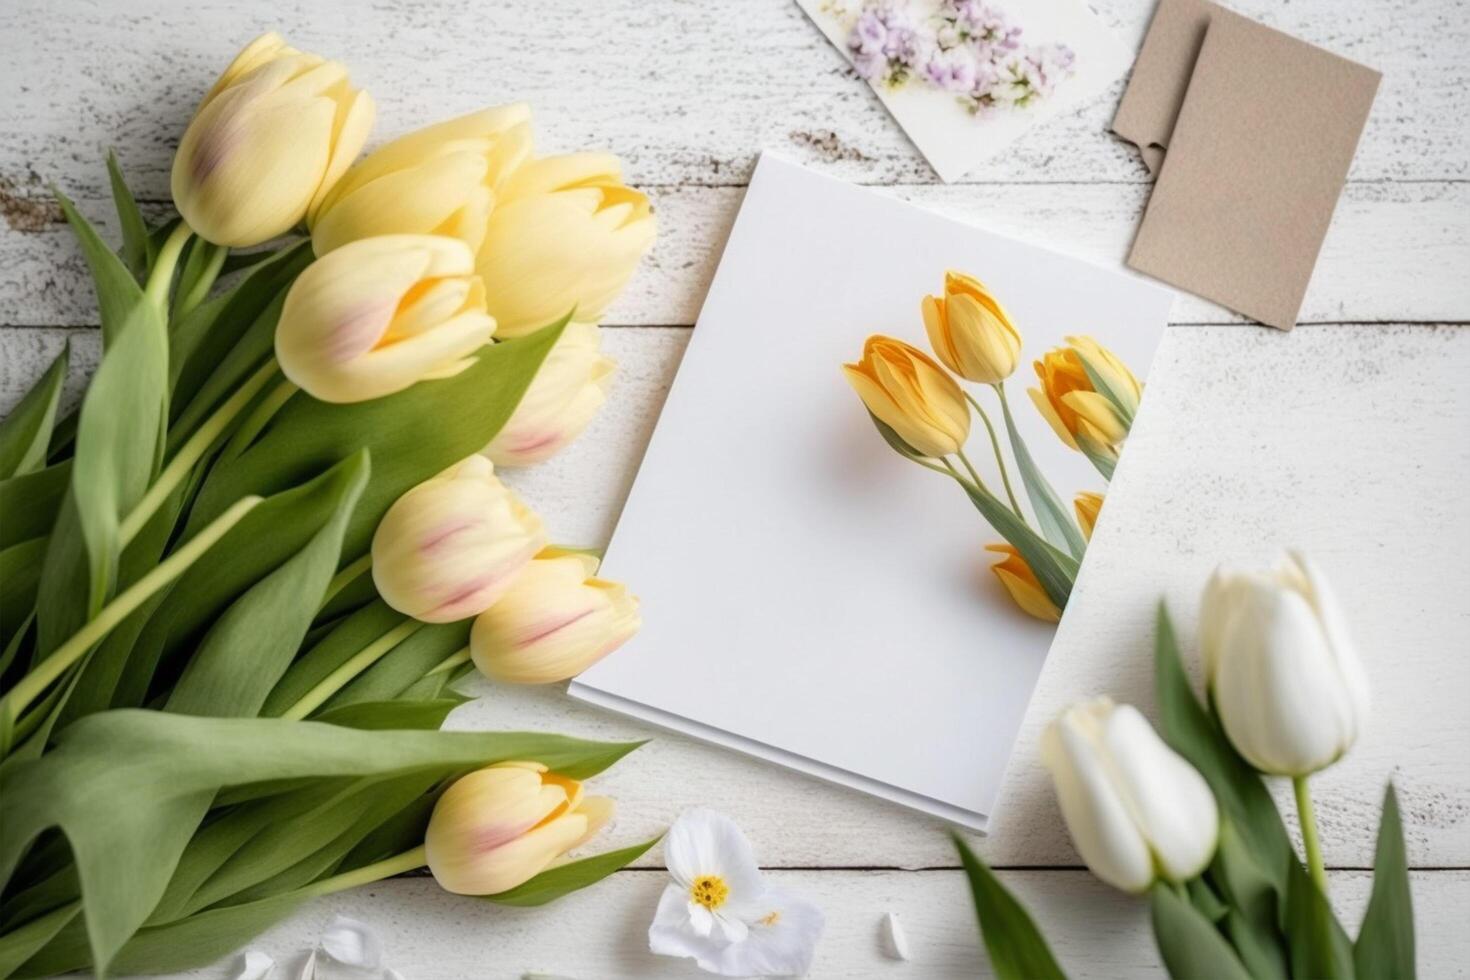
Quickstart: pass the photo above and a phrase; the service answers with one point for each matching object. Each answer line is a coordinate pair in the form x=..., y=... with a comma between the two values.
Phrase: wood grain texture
x=601, y=934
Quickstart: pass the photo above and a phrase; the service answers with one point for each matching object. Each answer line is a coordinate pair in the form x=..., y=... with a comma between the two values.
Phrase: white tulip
x=1282, y=671
x=1135, y=809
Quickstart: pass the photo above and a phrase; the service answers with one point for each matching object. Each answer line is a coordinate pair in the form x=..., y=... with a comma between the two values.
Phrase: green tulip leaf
x=1385, y=946
x=421, y=714
x=1098, y=455
x=406, y=664
x=19, y=945
x=1319, y=947
x=345, y=641
x=26, y=432
x=1192, y=732
x=1188, y=941
x=251, y=645
x=118, y=293
x=1252, y=918
x=550, y=885
x=1098, y=374
x=129, y=788
x=1052, y=514
x=31, y=503
x=1016, y=947
x=406, y=434
x=137, y=250
x=1055, y=569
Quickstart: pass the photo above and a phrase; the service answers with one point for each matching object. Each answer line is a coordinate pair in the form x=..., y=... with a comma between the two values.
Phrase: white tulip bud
x=1282, y=671
x=1136, y=810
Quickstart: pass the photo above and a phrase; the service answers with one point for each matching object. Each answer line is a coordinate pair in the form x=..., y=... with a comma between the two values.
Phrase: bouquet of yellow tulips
x=1086, y=393
x=241, y=580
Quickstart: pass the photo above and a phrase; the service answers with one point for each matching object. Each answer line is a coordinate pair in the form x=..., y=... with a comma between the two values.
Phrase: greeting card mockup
x=808, y=596
x=965, y=79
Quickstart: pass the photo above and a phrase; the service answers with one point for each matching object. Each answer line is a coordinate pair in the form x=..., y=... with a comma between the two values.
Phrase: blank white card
x=809, y=597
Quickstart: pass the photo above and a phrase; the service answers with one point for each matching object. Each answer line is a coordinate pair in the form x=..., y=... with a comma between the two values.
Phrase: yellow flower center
x=770, y=918
x=710, y=891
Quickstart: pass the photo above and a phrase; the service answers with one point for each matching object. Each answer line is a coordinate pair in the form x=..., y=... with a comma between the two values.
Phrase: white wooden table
x=1349, y=437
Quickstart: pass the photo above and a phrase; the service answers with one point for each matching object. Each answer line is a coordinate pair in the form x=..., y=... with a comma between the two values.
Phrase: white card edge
x=968, y=819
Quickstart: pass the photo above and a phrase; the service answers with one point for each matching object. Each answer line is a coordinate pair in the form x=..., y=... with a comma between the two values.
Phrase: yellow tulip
x=912, y=395
x=554, y=622
x=381, y=314
x=563, y=397
x=1076, y=410
x=501, y=826
x=450, y=547
x=970, y=331
x=440, y=180
x=267, y=143
x=1022, y=584
x=1087, y=506
x=565, y=233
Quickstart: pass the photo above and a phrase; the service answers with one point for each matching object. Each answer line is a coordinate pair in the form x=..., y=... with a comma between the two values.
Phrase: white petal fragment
x=255, y=965
x=895, y=941
x=308, y=967
x=353, y=943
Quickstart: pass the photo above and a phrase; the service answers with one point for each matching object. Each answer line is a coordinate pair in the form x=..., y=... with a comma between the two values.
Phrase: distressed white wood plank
x=601, y=933
x=687, y=92
x=1395, y=251
x=1346, y=441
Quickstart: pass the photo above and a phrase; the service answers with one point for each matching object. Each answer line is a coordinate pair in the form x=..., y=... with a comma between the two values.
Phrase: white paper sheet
x=809, y=597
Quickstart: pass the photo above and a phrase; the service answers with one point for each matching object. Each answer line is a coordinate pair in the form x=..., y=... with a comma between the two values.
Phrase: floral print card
x=966, y=78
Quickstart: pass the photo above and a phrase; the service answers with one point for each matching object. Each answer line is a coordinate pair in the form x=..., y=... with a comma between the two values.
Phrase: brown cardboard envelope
x=1146, y=114
x=1255, y=162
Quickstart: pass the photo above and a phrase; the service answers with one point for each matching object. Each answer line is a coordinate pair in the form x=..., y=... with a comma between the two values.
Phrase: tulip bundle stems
x=346, y=577
x=192, y=451
x=1005, y=476
x=264, y=412
x=186, y=302
x=34, y=683
x=161, y=278
x=460, y=656
x=1307, y=817
x=366, y=875
x=361, y=661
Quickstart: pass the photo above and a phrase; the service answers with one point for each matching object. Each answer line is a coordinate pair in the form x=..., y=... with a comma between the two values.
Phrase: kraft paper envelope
x=1254, y=166
x=1146, y=114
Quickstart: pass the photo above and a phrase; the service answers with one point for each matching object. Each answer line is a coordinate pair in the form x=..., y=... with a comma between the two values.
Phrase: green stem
x=191, y=452
x=24, y=692
x=1308, y=819
x=452, y=661
x=974, y=475
x=203, y=284
x=162, y=276
x=1000, y=461
x=338, y=678
x=346, y=576
x=386, y=868
x=258, y=419
x=959, y=478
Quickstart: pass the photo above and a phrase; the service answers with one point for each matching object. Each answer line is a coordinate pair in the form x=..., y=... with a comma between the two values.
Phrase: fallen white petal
x=392, y=974
x=353, y=943
x=308, y=967
x=256, y=966
x=895, y=943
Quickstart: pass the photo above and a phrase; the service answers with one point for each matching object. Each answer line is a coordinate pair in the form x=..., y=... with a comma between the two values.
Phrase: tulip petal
x=417, y=200
x=1095, y=814
x=1169, y=799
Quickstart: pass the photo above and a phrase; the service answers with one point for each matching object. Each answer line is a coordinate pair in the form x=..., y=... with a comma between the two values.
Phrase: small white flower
x=718, y=911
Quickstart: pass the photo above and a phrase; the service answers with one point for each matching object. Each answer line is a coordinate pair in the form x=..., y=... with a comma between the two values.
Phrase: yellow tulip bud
x=267, y=143
x=1022, y=584
x=450, y=547
x=1074, y=407
x=501, y=826
x=555, y=621
x=565, y=233
x=379, y=315
x=970, y=331
x=562, y=399
x=440, y=180
x=912, y=395
x=1087, y=505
